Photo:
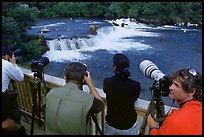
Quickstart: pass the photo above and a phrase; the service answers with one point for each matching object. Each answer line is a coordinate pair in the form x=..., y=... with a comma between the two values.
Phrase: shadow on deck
x=37, y=130
x=40, y=130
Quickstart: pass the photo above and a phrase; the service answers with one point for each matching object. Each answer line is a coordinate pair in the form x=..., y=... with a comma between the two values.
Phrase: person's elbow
x=21, y=78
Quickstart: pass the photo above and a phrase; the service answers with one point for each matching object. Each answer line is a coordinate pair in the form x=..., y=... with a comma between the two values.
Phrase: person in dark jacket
x=121, y=93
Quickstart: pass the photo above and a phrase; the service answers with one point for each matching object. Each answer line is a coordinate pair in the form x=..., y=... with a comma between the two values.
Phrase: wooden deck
x=37, y=130
x=26, y=90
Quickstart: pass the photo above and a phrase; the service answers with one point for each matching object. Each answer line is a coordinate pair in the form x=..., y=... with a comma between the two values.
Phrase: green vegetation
x=151, y=12
x=18, y=17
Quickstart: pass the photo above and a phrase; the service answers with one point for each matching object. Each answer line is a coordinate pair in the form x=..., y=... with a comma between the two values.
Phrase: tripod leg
x=39, y=102
x=25, y=117
x=143, y=126
x=144, y=122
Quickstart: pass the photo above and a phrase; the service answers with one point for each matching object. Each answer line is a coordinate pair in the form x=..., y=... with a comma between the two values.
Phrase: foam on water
x=110, y=38
x=48, y=25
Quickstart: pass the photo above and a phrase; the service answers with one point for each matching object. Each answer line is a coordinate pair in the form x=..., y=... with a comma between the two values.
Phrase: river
x=169, y=47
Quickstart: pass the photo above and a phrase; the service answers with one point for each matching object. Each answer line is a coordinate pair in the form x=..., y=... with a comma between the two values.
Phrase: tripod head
x=156, y=103
x=161, y=87
x=37, y=66
x=39, y=75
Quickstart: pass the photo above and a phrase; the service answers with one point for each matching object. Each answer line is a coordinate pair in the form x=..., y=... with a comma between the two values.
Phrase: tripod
x=156, y=106
x=38, y=78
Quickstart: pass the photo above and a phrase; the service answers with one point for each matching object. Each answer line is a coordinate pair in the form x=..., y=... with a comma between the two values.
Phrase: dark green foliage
x=17, y=18
x=32, y=48
x=21, y=13
x=10, y=32
x=148, y=12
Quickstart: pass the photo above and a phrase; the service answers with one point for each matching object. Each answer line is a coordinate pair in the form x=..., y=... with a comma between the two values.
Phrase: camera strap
x=169, y=109
x=161, y=119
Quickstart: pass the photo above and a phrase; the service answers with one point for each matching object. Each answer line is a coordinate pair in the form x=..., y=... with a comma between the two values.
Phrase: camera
x=162, y=82
x=37, y=65
x=16, y=54
x=85, y=67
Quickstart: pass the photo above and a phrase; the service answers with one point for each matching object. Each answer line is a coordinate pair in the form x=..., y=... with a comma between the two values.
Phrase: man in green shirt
x=68, y=108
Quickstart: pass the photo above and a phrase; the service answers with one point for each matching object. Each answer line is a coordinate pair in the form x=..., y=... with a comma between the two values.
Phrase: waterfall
x=109, y=38
x=67, y=44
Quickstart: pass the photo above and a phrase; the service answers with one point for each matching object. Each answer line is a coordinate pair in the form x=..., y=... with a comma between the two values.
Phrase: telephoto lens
x=150, y=70
x=162, y=82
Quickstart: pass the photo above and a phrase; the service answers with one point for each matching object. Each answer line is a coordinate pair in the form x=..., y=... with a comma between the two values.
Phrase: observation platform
x=26, y=90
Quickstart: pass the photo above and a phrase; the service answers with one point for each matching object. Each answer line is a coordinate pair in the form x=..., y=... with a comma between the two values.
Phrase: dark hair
x=5, y=50
x=75, y=72
x=121, y=63
x=189, y=82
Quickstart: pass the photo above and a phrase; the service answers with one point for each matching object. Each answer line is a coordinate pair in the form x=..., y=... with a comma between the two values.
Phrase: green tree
x=47, y=9
x=115, y=10
x=10, y=32
x=17, y=18
x=136, y=9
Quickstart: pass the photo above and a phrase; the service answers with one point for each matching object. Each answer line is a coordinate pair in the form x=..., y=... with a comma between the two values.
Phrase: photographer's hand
x=151, y=122
x=13, y=59
x=91, y=86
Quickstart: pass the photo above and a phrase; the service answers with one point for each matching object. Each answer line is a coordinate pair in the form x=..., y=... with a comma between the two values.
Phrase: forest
x=18, y=17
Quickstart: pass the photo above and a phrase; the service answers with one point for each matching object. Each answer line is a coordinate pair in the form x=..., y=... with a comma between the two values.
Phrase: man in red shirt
x=186, y=89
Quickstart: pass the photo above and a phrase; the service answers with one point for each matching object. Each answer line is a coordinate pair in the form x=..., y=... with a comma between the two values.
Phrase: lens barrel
x=37, y=65
x=44, y=61
x=150, y=70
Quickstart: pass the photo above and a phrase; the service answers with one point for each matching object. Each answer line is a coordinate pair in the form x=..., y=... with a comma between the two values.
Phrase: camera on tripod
x=162, y=82
x=37, y=65
x=160, y=88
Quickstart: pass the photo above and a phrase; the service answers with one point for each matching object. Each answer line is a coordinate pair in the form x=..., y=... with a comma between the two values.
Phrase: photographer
x=11, y=114
x=68, y=108
x=121, y=93
x=186, y=89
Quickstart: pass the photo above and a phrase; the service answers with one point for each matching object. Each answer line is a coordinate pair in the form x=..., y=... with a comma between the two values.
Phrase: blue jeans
x=109, y=130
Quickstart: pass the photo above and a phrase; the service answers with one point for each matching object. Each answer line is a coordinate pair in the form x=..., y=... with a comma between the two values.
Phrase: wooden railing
x=27, y=88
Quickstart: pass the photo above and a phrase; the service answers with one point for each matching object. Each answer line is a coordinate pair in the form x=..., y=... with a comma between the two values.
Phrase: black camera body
x=16, y=54
x=37, y=65
x=162, y=86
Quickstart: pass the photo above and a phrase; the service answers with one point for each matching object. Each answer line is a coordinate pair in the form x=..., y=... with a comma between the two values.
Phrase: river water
x=169, y=47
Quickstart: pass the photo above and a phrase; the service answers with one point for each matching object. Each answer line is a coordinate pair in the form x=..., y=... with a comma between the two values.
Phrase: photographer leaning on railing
x=11, y=114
